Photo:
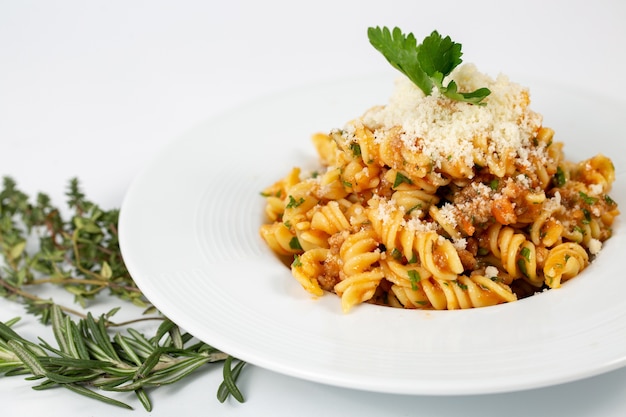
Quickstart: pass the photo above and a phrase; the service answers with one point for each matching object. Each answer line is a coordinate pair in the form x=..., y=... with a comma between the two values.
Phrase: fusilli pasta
x=429, y=203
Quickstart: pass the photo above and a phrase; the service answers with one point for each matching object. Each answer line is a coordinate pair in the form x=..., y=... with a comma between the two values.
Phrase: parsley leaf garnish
x=609, y=200
x=586, y=198
x=356, y=149
x=426, y=64
x=294, y=244
x=414, y=278
x=400, y=178
x=559, y=177
x=293, y=203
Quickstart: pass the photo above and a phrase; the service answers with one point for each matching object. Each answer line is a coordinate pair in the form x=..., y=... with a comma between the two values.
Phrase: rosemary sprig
x=80, y=253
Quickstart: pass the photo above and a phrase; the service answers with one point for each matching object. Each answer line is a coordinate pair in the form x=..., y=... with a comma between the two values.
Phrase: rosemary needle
x=81, y=254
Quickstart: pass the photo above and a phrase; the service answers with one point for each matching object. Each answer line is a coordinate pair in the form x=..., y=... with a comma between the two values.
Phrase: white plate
x=189, y=234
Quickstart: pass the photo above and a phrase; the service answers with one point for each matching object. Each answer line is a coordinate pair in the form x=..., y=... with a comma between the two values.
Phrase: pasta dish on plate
x=431, y=203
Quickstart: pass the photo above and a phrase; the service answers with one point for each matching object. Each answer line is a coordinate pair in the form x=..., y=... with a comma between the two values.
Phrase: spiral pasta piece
x=359, y=252
x=280, y=239
x=308, y=267
x=466, y=292
x=404, y=275
x=357, y=176
x=358, y=288
x=564, y=261
x=330, y=218
x=360, y=273
x=387, y=221
x=330, y=186
x=327, y=149
x=598, y=170
x=517, y=254
x=546, y=230
x=438, y=256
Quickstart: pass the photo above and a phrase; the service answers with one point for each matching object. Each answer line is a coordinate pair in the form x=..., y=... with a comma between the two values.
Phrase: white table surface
x=94, y=89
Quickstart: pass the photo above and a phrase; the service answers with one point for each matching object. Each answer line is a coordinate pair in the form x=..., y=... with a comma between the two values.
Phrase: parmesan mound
x=445, y=129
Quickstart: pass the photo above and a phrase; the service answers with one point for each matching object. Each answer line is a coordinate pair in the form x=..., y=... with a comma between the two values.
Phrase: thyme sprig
x=79, y=252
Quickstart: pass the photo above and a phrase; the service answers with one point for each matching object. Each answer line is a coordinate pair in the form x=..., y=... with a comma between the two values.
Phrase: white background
x=93, y=89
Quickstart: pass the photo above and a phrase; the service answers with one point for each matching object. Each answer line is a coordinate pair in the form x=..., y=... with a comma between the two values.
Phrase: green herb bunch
x=42, y=246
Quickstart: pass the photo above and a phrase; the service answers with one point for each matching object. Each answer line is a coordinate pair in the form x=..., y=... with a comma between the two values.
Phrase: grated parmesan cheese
x=595, y=189
x=491, y=272
x=594, y=246
x=460, y=243
x=385, y=209
x=445, y=129
x=447, y=211
x=553, y=204
x=415, y=224
x=523, y=180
